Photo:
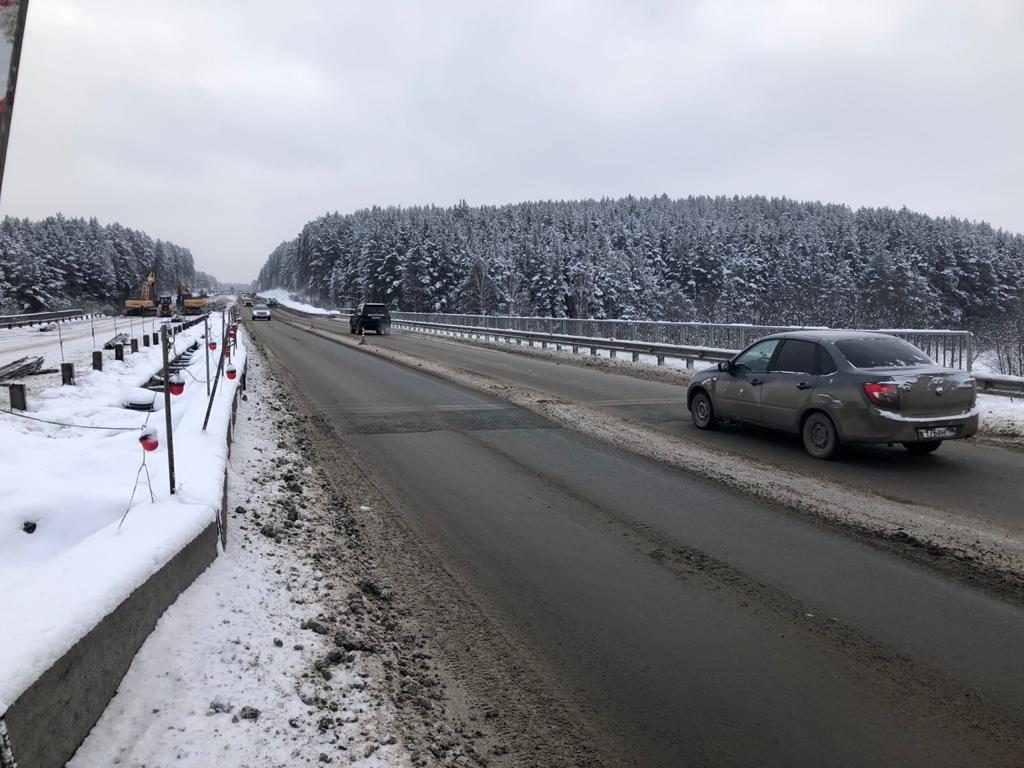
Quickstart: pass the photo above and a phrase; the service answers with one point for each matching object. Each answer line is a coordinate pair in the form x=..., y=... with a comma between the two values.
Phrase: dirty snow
x=230, y=677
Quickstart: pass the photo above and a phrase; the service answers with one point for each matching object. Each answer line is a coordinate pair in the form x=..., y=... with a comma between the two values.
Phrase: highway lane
x=974, y=478
x=690, y=625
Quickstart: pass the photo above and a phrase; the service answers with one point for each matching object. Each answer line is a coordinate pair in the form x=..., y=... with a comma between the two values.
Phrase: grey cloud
x=225, y=126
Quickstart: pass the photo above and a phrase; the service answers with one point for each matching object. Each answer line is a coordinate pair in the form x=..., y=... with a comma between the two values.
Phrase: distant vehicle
x=188, y=303
x=247, y=302
x=166, y=306
x=370, y=317
x=272, y=303
x=261, y=312
x=144, y=304
x=835, y=387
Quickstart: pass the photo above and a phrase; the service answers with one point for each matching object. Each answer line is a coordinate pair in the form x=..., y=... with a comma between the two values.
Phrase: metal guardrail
x=993, y=384
x=953, y=349
x=10, y=321
x=661, y=352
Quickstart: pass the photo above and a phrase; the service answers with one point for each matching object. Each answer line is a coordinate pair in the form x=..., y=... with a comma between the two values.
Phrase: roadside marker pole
x=206, y=338
x=60, y=338
x=92, y=327
x=167, y=407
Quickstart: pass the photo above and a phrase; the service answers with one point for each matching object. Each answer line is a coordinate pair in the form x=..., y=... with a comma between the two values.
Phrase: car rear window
x=882, y=352
x=378, y=309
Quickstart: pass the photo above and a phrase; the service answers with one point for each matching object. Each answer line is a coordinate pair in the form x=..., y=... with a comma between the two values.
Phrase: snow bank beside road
x=71, y=485
x=235, y=674
x=281, y=295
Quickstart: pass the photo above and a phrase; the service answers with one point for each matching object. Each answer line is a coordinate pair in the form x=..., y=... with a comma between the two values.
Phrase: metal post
x=135, y=345
x=92, y=327
x=60, y=339
x=17, y=393
x=145, y=340
x=970, y=351
x=97, y=360
x=67, y=374
x=167, y=408
x=206, y=338
x=119, y=351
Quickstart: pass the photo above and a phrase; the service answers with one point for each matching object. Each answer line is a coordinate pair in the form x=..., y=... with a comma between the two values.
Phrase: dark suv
x=370, y=317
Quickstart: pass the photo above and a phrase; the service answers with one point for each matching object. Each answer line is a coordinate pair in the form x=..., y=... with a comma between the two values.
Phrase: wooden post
x=119, y=351
x=156, y=338
x=167, y=408
x=145, y=340
x=18, y=397
x=97, y=360
x=135, y=345
x=67, y=374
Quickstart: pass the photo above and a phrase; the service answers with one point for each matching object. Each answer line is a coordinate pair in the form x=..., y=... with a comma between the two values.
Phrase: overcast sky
x=225, y=125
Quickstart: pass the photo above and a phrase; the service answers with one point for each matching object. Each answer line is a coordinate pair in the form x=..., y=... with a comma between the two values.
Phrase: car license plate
x=936, y=433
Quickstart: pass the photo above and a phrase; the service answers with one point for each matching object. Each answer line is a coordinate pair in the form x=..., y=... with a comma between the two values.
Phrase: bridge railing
x=953, y=349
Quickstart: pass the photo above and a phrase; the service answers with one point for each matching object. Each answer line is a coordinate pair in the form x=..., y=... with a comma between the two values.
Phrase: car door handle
x=803, y=385
x=756, y=382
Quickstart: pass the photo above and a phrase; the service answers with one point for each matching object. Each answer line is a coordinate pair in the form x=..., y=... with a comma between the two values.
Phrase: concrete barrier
x=49, y=721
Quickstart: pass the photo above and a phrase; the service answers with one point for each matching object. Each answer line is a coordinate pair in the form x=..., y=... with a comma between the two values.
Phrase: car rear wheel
x=702, y=411
x=820, y=437
x=920, y=449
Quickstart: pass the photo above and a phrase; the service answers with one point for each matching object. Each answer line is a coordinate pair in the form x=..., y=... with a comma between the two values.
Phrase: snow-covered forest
x=59, y=262
x=723, y=259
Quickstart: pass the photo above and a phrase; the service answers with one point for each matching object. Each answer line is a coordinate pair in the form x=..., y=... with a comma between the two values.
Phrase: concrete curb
x=50, y=720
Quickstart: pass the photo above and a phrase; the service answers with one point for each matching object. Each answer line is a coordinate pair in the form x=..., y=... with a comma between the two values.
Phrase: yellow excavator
x=144, y=304
x=189, y=304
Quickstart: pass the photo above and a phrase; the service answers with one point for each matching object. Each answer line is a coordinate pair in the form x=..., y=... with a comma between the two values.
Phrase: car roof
x=827, y=334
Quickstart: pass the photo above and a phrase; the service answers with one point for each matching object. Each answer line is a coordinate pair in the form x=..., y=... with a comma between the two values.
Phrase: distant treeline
x=59, y=262
x=722, y=259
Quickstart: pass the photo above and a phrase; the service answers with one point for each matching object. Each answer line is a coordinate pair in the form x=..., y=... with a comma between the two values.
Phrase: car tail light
x=883, y=393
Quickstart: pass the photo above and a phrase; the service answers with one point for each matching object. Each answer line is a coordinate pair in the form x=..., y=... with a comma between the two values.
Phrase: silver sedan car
x=835, y=387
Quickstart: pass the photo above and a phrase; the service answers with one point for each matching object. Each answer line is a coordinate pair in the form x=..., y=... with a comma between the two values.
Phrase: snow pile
x=64, y=563
x=1001, y=415
x=285, y=299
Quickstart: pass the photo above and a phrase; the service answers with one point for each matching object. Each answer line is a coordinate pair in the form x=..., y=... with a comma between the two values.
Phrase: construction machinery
x=144, y=304
x=189, y=304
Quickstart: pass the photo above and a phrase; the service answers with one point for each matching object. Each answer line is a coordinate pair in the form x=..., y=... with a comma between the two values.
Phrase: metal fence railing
x=12, y=321
x=953, y=349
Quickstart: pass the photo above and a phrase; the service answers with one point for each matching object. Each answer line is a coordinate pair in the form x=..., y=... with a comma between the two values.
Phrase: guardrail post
x=145, y=340
x=67, y=374
x=97, y=360
x=593, y=351
x=575, y=349
x=612, y=353
x=119, y=351
x=156, y=338
x=135, y=345
x=17, y=392
x=661, y=359
x=636, y=356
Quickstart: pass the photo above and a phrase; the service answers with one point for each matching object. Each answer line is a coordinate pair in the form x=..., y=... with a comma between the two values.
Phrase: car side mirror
x=725, y=366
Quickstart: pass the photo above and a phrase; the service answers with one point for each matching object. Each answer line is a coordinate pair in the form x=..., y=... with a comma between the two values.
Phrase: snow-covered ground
x=235, y=673
x=1002, y=416
x=281, y=295
x=64, y=561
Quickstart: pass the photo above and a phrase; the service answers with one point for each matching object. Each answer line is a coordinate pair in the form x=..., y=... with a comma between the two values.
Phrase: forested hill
x=59, y=262
x=735, y=259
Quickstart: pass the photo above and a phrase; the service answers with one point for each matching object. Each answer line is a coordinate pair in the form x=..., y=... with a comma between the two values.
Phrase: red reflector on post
x=148, y=440
x=176, y=384
x=231, y=372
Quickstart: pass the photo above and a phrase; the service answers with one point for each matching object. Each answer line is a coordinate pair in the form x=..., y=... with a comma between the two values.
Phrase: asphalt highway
x=976, y=479
x=684, y=623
